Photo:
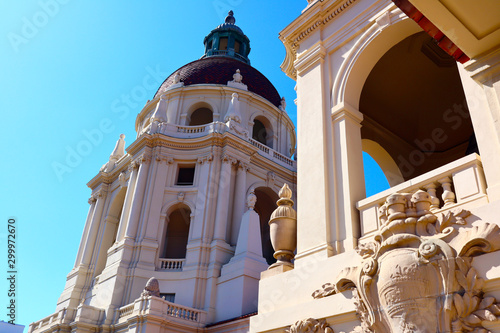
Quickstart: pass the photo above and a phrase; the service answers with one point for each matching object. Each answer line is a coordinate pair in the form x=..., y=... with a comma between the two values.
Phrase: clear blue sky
x=68, y=68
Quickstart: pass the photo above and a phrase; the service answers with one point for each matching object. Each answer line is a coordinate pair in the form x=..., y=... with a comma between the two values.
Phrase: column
x=94, y=227
x=349, y=175
x=221, y=212
x=239, y=200
x=126, y=205
x=202, y=198
x=155, y=195
x=315, y=162
x=92, y=201
x=481, y=83
x=135, y=209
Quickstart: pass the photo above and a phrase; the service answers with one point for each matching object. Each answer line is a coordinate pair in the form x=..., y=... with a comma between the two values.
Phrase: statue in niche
x=417, y=274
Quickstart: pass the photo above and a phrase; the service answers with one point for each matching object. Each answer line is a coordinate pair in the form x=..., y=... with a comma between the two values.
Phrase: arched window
x=201, y=116
x=262, y=131
x=265, y=205
x=176, y=237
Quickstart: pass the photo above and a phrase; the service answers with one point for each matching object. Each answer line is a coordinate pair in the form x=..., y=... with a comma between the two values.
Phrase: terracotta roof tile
x=219, y=70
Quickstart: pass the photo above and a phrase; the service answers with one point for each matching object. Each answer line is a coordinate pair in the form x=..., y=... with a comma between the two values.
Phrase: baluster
x=448, y=196
x=431, y=189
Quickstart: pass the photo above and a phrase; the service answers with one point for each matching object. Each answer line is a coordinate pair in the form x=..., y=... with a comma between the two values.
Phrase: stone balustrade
x=55, y=318
x=159, y=307
x=171, y=264
x=455, y=184
x=180, y=131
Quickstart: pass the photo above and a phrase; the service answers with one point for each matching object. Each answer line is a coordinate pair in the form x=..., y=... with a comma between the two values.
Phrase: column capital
x=242, y=166
x=160, y=157
x=98, y=194
x=343, y=111
x=205, y=159
x=225, y=158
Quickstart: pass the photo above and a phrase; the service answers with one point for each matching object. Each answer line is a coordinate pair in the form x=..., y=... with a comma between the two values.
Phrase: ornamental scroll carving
x=416, y=274
x=310, y=325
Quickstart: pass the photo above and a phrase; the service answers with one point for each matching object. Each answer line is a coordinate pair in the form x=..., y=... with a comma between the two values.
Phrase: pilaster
x=481, y=83
x=349, y=176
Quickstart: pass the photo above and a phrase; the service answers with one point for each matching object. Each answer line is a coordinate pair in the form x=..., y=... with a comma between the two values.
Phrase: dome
x=220, y=70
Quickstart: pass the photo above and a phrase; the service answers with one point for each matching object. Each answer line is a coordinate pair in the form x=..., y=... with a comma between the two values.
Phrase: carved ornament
x=310, y=325
x=417, y=275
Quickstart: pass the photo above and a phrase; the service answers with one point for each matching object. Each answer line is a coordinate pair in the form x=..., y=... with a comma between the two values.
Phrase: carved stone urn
x=417, y=275
x=283, y=229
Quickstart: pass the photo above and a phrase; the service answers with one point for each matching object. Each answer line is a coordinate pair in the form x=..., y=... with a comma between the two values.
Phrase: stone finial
x=283, y=229
x=237, y=77
x=233, y=112
x=251, y=200
x=152, y=288
x=230, y=18
x=282, y=106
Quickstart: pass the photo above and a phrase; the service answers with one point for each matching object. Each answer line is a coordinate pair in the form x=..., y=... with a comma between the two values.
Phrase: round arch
x=170, y=206
x=366, y=52
x=262, y=130
x=384, y=160
x=206, y=106
x=175, y=232
x=265, y=205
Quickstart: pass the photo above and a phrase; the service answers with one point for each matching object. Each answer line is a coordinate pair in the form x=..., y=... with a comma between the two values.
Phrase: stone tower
x=213, y=148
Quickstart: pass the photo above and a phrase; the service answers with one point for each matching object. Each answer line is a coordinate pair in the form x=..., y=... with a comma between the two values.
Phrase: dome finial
x=230, y=18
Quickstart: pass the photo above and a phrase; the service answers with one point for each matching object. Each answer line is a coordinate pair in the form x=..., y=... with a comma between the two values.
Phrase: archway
x=177, y=234
x=262, y=131
x=414, y=107
x=265, y=205
x=201, y=116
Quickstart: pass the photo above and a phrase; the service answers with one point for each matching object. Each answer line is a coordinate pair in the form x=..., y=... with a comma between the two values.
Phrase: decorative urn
x=283, y=229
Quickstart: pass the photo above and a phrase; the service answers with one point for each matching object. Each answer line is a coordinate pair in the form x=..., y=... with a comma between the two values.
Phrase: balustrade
x=171, y=264
x=457, y=183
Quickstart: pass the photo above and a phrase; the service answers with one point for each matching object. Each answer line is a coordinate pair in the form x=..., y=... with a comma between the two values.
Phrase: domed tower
x=183, y=212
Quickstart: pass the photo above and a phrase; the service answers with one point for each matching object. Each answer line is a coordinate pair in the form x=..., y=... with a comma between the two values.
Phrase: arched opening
x=379, y=159
x=265, y=205
x=375, y=179
x=109, y=234
x=201, y=116
x=262, y=131
x=177, y=234
x=414, y=107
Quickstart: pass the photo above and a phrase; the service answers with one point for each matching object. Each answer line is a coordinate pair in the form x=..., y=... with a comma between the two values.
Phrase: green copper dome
x=227, y=40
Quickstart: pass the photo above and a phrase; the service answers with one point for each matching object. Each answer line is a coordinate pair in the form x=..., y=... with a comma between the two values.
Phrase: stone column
x=314, y=167
x=92, y=201
x=127, y=202
x=349, y=175
x=90, y=241
x=481, y=83
x=240, y=190
x=202, y=199
x=222, y=210
x=135, y=209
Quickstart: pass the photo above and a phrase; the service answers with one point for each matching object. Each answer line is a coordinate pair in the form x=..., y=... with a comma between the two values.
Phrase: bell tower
x=177, y=235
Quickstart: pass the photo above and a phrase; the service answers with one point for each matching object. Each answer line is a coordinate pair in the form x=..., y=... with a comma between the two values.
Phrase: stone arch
x=365, y=53
x=194, y=119
x=170, y=206
x=265, y=205
x=262, y=130
x=175, y=233
x=384, y=160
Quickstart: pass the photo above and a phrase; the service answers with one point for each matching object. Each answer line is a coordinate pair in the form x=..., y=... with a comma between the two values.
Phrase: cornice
x=320, y=13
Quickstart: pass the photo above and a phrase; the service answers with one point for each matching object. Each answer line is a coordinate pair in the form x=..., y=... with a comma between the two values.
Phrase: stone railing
x=457, y=183
x=272, y=154
x=171, y=264
x=125, y=311
x=161, y=308
x=180, y=131
x=48, y=321
x=259, y=145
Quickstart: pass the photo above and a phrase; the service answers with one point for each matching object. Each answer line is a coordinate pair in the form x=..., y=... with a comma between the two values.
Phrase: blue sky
x=74, y=74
